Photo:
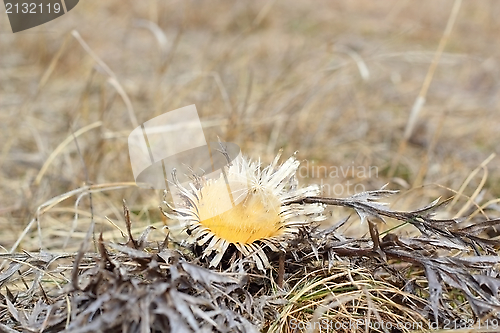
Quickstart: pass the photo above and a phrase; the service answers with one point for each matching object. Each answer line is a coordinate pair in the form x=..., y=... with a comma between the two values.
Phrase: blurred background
x=335, y=81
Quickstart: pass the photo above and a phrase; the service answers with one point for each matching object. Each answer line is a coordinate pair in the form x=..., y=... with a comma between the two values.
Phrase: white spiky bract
x=263, y=216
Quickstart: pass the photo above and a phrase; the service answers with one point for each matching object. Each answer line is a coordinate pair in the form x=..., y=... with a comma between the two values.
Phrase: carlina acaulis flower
x=265, y=213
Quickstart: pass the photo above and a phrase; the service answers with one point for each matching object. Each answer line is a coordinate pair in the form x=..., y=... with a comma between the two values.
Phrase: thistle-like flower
x=263, y=213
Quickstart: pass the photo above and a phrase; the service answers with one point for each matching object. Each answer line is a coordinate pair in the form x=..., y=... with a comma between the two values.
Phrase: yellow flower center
x=253, y=218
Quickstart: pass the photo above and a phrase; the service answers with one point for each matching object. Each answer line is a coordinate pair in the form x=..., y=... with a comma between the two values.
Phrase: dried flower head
x=262, y=213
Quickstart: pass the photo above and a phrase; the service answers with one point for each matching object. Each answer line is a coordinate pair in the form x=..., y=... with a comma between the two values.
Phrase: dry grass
x=334, y=80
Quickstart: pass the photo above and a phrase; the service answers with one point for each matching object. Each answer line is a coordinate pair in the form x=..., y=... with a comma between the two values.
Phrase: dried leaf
x=435, y=291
